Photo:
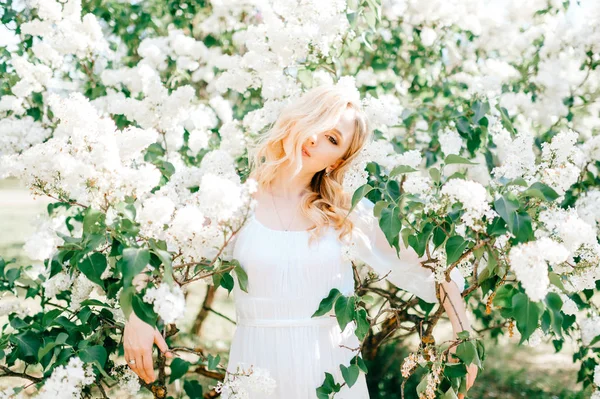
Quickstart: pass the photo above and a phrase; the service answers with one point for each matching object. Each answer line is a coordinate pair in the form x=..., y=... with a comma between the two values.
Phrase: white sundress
x=287, y=280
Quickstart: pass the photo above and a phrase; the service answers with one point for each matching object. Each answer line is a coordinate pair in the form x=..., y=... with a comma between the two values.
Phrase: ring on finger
x=132, y=361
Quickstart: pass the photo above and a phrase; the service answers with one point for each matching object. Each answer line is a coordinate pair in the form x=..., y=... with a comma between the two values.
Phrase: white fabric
x=287, y=280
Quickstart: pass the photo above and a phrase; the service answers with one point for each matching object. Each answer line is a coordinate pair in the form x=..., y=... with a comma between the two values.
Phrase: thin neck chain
x=277, y=212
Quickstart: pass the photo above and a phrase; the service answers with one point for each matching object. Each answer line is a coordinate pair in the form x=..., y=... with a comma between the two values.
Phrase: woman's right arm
x=138, y=339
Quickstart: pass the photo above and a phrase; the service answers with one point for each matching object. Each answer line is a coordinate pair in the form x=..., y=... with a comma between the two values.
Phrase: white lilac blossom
x=168, y=302
x=516, y=156
x=530, y=261
x=245, y=381
x=12, y=137
x=56, y=284
x=83, y=161
x=67, y=382
x=129, y=382
x=80, y=291
x=590, y=329
x=474, y=200
x=561, y=161
x=450, y=141
x=588, y=207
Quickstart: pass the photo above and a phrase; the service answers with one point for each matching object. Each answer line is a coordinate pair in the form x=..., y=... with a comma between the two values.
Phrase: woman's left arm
x=455, y=307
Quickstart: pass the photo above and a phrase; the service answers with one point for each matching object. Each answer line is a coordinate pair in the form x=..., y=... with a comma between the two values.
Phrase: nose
x=312, y=140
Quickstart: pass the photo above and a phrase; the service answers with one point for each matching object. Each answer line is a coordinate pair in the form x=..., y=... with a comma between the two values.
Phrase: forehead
x=345, y=125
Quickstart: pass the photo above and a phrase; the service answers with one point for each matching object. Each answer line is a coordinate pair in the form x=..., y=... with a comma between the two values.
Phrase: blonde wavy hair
x=316, y=111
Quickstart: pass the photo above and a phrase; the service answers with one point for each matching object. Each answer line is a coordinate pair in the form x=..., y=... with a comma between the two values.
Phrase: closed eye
x=332, y=139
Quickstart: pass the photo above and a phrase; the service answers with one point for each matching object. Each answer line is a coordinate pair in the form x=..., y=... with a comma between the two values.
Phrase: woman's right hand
x=138, y=339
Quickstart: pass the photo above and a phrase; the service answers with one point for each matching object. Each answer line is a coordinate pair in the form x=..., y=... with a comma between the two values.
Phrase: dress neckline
x=259, y=223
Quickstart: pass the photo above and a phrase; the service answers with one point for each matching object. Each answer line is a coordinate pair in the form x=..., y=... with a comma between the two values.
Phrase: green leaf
x=362, y=324
x=467, y=352
x=541, y=191
x=391, y=224
x=178, y=369
x=504, y=296
x=93, y=222
x=455, y=370
x=226, y=281
x=28, y=345
x=419, y=241
x=144, y=310
x=165, y=258
x=126, y=299
x=91, y=353
x=213, y=362
x=93, y=266
x=455, y=246
x=522, y=227
x=193, y=389
x=344, y=310
x=360, y=194
x=449, y=394
x=329, y=386
x=401, y=169
x=350, y=374
x=480, y=109
x=527, y=314
x=506, y=122
x=506, y=208
x=60, y=339
x=555, y=303
x=435, y=174
x=327, y=303
x=453, y=158
x=136, y=260
x=242, y=277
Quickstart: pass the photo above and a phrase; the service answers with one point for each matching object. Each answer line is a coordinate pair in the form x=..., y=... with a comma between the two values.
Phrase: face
x=325, y=150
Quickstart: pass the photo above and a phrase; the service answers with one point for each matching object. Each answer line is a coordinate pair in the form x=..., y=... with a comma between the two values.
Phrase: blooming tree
x=134, y=119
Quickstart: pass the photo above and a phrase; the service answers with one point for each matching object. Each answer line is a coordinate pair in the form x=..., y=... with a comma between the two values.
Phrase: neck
x=291, y=187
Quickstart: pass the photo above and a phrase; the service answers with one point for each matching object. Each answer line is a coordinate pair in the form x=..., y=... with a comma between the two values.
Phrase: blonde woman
x=292, y=251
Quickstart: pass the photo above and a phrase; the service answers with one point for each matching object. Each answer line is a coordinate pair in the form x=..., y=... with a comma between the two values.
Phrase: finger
x=162, y=344
x=139, y=365
x=128, y=357
x=148, y=366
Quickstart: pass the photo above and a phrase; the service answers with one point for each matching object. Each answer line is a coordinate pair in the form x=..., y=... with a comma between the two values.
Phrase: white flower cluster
x=12, y=137
x=169, y=302
x=66, y=382
x=63, y=31
x=83, y=161
x=579, y=239
x=57, y=283
x=246, y=381
x=516, y=156
x=474, y=200
x=129, y=382
x=590, y=328
x=530, y=260
x=561, y=161
x=382, y=112
x=588, y=207
x=450, y=141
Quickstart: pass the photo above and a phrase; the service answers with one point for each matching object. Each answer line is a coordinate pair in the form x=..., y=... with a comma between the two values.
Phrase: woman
x=292, y=249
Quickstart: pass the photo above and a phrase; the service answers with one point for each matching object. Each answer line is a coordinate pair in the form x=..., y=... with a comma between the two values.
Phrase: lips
x=305, y=152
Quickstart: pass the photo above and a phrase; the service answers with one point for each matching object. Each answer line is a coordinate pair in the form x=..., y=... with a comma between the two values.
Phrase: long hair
x=316, y=111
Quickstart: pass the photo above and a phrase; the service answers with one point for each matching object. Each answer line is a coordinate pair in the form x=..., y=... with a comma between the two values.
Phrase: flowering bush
x=134, y=118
